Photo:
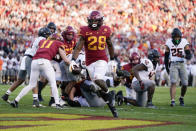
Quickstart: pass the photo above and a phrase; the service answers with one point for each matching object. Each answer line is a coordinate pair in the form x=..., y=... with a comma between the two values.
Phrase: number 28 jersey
x=176, y=52
x=95, y=43
x=48, y=49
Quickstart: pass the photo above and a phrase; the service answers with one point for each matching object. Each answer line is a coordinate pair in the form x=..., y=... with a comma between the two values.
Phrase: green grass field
x=186, y=115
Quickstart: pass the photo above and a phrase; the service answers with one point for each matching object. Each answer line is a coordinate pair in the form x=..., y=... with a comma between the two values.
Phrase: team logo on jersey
x=89, y=33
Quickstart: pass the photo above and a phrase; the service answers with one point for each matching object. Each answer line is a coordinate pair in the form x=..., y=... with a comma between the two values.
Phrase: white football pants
x=41, y=66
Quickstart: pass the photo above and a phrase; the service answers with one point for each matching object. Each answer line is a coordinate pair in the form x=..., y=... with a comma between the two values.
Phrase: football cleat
x=150, y=105
x=5, y=98
x=14, y=104
x=58, y=106
x=51, y=102
x=35, y=103
x=172, y=104
x=181, y=101
x=113, y=110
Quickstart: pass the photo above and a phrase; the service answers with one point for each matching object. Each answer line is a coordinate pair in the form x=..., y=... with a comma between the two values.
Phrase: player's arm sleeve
x=187, y=51
x=166, y=59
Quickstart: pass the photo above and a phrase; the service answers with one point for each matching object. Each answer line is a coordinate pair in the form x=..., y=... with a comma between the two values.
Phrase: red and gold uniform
x=69, y=45
x=128, y=68
x=42, y=64
x=48, y=49
x=95, y=43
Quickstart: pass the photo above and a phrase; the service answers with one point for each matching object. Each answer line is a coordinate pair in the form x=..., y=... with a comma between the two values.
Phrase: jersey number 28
x=93, y=40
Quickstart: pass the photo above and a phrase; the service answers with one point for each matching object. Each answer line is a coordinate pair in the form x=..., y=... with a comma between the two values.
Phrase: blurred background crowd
x=137, y=25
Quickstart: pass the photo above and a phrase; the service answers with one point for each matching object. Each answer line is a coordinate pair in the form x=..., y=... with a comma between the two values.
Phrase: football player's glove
x=72, y=65
x=123, y=73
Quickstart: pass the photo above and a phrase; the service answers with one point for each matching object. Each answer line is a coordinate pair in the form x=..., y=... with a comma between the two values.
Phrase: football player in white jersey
x=25, y=66
x=4, y=68
x=10, y=63
x=142, y=80
x=52, y=27
x=177, y=50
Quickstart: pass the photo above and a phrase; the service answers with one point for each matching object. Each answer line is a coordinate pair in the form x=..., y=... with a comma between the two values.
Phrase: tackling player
x=177, y=49
x=25, y=67
x=95, y=38
x=69, y=40
x=41, y=64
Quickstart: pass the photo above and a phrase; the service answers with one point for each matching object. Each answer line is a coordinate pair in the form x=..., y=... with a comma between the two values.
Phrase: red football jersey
x=69, y=45
x=128, y=68
x=95, y=43
x=48, y=49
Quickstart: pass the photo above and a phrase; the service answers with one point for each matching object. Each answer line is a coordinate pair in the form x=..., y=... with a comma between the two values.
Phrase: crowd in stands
x=136, y=24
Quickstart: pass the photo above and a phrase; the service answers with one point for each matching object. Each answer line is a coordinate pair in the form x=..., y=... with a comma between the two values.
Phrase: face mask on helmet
x=154, y=55
x=44, y=32
x=176, y=36
x=135, y=58
x=68, y=34
x=95, y=20
x=52, y=27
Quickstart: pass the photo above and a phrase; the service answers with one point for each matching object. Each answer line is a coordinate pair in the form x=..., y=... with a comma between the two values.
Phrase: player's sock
x=40, y=86
x=8, y=92
x=35, y=96
x=182, y=97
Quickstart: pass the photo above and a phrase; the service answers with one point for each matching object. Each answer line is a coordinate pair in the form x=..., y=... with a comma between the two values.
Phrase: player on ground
x=25, y=67
x=177, y=50
x=95, y=38
x=41, y=64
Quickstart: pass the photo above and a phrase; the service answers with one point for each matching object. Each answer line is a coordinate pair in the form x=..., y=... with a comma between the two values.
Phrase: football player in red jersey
x=69, y=39
x=41, y=64
x=131, y=96
x=134, y=60
x=95, y=38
